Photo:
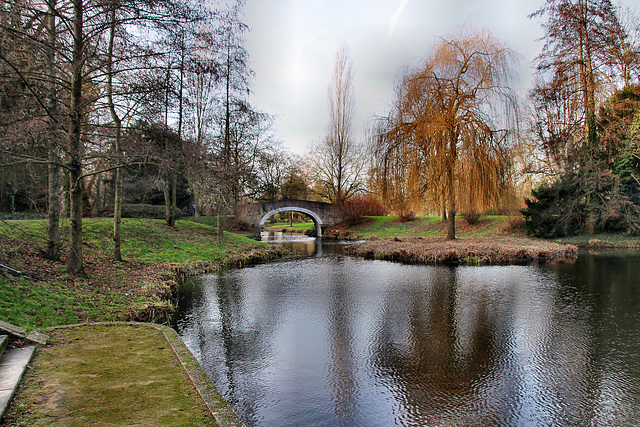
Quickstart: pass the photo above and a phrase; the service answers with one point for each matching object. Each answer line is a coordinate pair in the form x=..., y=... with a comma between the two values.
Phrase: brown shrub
x=515, y=223
x=354, y=210
x=406, y=216
x=472, y=217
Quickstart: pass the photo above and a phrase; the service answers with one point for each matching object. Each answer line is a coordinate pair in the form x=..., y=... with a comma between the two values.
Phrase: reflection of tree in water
x=604, y=301
x=342, y=361
x=477, y=348
x=235, y=335
x=418, y=349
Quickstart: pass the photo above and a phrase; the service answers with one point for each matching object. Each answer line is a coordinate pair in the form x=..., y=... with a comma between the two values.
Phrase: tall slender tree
x=77, y=112
x=53, y=189
x=236, y=74
x=338, y=160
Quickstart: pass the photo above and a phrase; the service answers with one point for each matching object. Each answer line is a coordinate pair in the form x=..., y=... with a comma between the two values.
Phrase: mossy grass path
x=108, y=375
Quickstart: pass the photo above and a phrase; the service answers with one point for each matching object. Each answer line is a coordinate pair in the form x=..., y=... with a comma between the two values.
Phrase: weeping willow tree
x=397, y=170
x=448, y=134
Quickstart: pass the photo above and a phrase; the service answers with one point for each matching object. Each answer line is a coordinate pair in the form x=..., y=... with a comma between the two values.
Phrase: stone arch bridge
x=324, y=215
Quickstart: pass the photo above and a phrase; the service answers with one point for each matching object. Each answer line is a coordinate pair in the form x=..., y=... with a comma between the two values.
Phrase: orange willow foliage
x=446, y=140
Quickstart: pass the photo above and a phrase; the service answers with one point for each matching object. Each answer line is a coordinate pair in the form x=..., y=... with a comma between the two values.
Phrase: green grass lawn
x=145, y=240
x=45, y=304
x=297, y=226
x=153, y=242
x=428, y=226
x=488, y=226
x=109, y=375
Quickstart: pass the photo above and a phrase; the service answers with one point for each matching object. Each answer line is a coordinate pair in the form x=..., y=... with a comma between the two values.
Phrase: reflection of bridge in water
x=324, y=215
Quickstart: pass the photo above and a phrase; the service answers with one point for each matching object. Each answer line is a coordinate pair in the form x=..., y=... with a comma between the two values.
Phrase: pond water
x=331, y=340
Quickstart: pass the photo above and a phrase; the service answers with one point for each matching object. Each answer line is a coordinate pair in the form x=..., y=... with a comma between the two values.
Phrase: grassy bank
x=489, y=241
x=139, y=288
x=490, y=226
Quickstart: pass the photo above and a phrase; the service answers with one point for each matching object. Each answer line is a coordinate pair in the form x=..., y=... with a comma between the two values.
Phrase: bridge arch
x=317, y=221
x=256, y=213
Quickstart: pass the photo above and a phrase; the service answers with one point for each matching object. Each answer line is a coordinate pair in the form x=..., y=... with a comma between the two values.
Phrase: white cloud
x=394, y=18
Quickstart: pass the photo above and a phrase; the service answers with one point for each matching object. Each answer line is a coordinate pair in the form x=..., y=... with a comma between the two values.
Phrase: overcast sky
x=293, y=43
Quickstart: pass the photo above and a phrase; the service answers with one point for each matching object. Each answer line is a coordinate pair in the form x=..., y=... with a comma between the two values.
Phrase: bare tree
x=236, y=75
x=337, y=161
x=29, y=104
x=582, y=40
x=626, y=52
x=555, y=122
x=71, y=49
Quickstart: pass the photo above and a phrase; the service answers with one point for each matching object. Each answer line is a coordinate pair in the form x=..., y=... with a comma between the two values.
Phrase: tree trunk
x=196, y=204
x=117, y=217
x=230, y=175
x=174, y=198
x=220, y=224
x=451, y=226
x=117, y=194
x=53, y=208
x=75, y=262
x=587, y=75
x=166, y=192
x=451, y=195
x=169, y=190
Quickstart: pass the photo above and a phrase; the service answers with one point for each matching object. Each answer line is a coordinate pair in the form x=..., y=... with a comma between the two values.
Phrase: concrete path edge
x=12, y=367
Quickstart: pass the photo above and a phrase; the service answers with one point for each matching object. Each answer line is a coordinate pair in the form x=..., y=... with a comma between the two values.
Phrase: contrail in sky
x=394, y=18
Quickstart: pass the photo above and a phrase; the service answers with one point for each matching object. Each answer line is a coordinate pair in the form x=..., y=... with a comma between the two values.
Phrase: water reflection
x=341, y=341
x=303, y=245
x=297, y=243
